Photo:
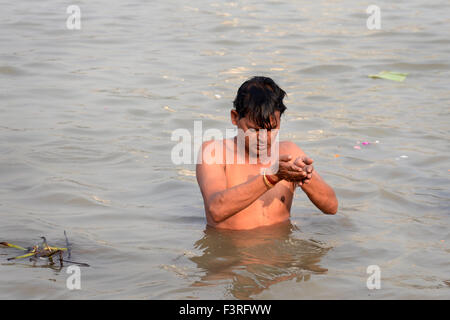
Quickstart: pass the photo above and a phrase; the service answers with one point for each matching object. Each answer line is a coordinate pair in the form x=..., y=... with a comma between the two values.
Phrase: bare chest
x=273, y=206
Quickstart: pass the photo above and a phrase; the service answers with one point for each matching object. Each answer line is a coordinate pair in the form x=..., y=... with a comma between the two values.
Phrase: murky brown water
x=85, y=124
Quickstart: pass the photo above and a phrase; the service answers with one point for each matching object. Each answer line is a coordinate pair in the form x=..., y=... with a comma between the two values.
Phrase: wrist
x=267, y=181
x=273, y=178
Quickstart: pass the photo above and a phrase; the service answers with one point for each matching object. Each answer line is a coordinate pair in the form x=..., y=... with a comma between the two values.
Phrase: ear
x=234, y=117
x=278, y=119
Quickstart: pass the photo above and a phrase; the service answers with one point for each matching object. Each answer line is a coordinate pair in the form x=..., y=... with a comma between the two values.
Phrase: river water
x=86, y=118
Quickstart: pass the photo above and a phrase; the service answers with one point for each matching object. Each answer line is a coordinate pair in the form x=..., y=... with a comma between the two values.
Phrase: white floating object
x=168, y=109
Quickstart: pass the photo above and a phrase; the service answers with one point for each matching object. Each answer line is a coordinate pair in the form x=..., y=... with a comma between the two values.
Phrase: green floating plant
x=44, y=251
x=389, y=75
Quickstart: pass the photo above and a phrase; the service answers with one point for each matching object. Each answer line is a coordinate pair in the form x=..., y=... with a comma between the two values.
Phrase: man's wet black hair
x=257, y=99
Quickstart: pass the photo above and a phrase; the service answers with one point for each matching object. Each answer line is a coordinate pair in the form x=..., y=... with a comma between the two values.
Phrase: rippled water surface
x=86, y=118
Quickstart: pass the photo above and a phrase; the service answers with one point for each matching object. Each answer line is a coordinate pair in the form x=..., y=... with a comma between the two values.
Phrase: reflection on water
x=253, y=260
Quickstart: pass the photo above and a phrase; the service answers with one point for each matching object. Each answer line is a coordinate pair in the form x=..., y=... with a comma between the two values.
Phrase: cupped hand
x=286, y=169
x=305, y=163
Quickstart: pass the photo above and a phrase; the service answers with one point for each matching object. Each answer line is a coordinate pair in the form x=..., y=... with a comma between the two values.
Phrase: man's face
x=257, y=140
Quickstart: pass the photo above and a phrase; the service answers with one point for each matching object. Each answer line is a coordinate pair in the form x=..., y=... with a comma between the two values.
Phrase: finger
x=297, y=171
x=299, y=161
x=309, y=169
x=285, y=157
x=293, y=167
x=307, y=160
x=295, y=176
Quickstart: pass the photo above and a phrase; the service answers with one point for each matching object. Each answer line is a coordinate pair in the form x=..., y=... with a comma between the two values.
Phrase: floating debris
x=389, y=75
x=168, y=109
x=364, y=143
x=44, y=251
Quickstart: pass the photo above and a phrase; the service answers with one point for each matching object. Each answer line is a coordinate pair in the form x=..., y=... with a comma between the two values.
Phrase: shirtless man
x=248, y=194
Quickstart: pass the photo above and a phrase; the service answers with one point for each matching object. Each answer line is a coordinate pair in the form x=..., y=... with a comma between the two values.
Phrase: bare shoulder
x=289, y=147
x=213, y=152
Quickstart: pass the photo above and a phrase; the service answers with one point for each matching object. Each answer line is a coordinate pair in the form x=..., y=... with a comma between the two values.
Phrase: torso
x=272, y=207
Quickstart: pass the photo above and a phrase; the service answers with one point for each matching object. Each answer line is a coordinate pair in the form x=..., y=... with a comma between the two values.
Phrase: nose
x=264, y=137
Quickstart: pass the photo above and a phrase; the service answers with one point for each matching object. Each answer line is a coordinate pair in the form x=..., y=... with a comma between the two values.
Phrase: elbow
x=332, y=209
x=215, y=215
x=214, y=210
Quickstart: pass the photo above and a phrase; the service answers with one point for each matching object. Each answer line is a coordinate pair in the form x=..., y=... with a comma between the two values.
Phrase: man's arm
x=317, y=190
x=321, y=194
x=222, y=203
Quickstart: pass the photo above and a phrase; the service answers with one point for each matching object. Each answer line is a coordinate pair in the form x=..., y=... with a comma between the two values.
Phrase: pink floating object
x=365, y=143
x=357, y=147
